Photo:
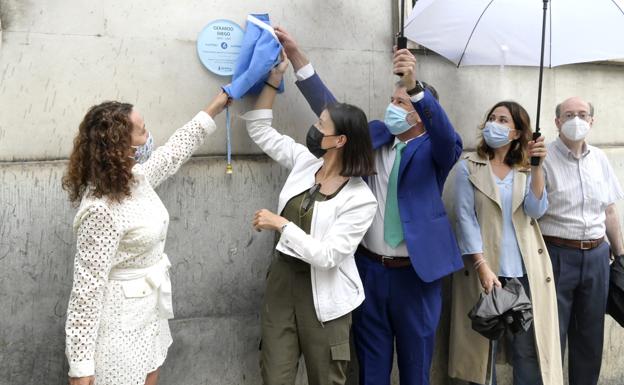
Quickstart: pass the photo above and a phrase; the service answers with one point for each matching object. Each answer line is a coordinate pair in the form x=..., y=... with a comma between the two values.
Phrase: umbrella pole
x=492, y=364
x=535, y=161
x=402, y=40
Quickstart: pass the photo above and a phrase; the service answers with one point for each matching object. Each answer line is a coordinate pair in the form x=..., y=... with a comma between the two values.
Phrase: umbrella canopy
x=260, y=51
x=615, y=302
x=508, y=32
x=503, y=309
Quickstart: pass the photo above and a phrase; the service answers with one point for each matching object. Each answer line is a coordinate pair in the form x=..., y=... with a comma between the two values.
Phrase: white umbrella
x=508, y=32
x=520, y=32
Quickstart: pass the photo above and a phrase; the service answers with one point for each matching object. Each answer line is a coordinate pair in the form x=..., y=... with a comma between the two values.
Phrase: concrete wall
x=59, y=57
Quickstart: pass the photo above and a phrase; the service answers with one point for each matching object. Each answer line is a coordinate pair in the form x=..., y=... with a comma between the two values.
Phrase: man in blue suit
x=410, y=245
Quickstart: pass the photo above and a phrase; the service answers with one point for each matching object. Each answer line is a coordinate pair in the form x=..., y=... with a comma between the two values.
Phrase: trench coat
x=469, y=351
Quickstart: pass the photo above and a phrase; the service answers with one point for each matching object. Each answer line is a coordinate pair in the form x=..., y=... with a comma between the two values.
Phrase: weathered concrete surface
x=219, y=266
x=59, y=58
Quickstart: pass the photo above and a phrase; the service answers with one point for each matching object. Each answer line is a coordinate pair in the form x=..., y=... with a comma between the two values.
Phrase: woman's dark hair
x=99, y=160
x=357, y=155
x=517, y=153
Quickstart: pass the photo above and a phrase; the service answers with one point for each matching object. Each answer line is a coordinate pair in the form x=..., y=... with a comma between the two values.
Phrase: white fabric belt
x=156, y=276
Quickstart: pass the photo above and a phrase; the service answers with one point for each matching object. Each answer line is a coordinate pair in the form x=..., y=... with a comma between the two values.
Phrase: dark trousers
x=582, y=281
x=399, y=308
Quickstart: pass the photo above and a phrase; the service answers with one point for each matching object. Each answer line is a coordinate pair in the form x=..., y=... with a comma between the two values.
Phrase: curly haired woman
x=117, y=329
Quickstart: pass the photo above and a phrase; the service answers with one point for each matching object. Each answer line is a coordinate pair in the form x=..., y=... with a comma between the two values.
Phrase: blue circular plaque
x=218, y=46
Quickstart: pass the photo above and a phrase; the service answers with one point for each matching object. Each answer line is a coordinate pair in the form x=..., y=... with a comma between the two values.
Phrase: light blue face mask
x=396, y=119
x=496, y=135
x=143, y=152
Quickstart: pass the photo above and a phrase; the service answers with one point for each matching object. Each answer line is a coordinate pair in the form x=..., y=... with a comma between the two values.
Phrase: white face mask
x=575, y=129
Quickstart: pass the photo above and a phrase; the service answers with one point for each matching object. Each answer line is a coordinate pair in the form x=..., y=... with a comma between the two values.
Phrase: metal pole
x=402, y=40
x=535, y=160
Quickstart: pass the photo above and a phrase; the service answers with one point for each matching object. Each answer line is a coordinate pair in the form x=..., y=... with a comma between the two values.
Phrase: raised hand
x=217, y=104
x=404, y=62
x=277, y=72
x=292, y=48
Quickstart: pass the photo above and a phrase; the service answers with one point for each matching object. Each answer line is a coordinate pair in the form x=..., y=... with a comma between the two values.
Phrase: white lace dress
x=118, y=336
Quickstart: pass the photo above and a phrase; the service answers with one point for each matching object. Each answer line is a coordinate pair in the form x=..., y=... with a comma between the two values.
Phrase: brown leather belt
x=391, y=262
x=574, y=244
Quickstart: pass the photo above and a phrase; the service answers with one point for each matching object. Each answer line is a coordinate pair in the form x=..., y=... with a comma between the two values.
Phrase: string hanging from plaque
x=228, y=140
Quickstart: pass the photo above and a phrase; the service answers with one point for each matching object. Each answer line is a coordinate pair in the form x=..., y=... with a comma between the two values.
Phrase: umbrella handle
x=535, y=160
x=401, y=44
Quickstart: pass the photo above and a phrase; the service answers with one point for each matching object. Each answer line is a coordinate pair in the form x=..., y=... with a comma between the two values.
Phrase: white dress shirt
x=374, y=238
x=579, y=191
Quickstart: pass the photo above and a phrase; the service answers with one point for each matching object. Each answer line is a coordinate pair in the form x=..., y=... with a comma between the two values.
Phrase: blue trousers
x=582, y=281
x=399, y=307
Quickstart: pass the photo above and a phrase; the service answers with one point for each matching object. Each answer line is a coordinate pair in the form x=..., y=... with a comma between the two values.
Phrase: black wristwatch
x=417, y=89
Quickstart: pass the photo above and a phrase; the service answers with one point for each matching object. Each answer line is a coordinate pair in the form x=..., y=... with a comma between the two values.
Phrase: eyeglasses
x=308, y=198
x=581, y=115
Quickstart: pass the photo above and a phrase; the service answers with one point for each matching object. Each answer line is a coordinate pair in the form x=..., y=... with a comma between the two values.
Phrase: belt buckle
x=586, y=245
x=385, y=258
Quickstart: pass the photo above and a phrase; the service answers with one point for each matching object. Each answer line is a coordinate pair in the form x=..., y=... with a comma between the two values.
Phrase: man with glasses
x=582, y=191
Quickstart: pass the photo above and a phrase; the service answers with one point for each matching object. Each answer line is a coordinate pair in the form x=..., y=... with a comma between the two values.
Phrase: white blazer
x=338, y=225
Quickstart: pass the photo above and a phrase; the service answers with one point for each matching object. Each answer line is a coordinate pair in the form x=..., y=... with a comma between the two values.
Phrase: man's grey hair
x=558, y=109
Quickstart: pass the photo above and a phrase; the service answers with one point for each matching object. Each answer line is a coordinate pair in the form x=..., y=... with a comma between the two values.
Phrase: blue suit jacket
x=425, y=165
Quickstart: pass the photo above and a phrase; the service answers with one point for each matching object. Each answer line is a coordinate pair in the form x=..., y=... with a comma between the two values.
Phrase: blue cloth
x=469, y=230
x=402, y=306
x=260, y=52
x=425, y=165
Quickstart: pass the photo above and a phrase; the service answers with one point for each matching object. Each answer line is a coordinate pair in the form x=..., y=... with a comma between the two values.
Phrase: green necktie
x=393, y=230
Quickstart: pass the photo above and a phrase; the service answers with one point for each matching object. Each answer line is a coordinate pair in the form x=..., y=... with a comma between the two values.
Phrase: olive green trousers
x=291, y=328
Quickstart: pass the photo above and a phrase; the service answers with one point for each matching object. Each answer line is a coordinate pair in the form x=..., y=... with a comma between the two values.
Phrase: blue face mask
x=396, y=120
x=496, y=135
x=143, y=152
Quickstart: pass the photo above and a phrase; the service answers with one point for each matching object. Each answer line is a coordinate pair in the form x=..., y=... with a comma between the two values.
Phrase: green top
x=300, y=208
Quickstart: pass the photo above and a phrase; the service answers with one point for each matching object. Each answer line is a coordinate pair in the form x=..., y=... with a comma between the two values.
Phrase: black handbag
x=615, y=301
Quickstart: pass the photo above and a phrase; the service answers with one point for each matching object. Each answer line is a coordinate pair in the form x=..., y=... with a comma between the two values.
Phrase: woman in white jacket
x=324, y=210
x=117, y=318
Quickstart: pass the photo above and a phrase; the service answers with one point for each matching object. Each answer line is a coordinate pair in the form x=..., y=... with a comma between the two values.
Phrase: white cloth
x=337, y=227
x=119, y=338
x=579, y=191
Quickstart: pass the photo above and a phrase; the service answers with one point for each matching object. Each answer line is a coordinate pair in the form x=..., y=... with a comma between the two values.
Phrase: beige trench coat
x=469, y=351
